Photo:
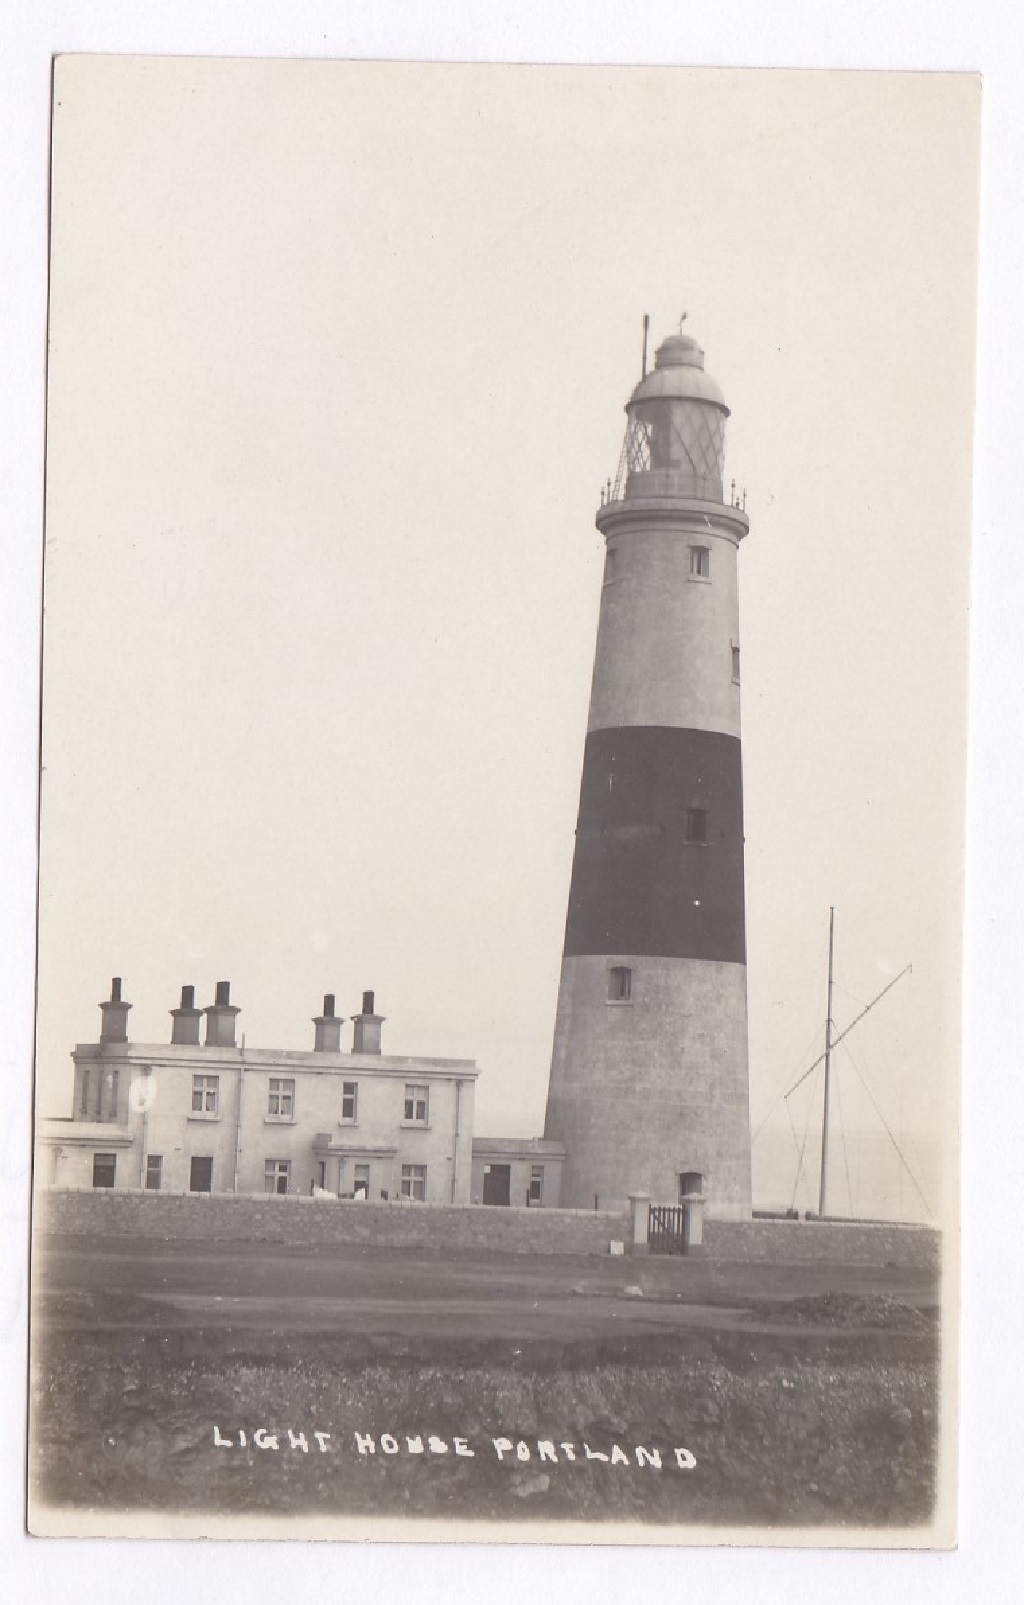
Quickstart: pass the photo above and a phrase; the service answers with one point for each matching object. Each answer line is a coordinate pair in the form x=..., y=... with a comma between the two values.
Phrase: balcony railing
x=632, y=484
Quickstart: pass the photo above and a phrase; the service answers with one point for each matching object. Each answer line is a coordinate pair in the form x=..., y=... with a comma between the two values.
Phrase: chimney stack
x=366, y=1035
x=220, y=1018
x=114, y=1015
x=185, y=1020
x=328, y=1028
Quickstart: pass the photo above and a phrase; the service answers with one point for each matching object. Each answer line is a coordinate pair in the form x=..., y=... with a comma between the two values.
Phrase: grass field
x=170, y=1377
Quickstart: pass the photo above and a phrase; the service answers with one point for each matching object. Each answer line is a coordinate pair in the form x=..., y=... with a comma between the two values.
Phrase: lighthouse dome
x=678, y=374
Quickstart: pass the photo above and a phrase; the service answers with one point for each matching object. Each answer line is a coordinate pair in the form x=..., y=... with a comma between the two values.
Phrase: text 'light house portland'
x=649, y=1076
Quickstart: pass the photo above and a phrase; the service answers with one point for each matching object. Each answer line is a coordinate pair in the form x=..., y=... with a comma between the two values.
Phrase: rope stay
x=779, y=1096
x=842, y=1135
x=903, y=1160
x=845, y=1033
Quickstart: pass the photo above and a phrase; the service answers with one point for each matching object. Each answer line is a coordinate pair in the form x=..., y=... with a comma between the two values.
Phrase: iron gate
x=666, y=1229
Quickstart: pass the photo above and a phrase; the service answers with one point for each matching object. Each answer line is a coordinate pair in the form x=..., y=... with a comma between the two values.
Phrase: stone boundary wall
x=800, y=1242
x=301, y=1222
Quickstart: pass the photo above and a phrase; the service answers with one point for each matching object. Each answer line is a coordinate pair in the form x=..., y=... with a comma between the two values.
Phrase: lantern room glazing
x=675, y=434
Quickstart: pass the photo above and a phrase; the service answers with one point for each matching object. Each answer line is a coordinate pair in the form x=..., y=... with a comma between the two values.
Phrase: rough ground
x=800, y=1402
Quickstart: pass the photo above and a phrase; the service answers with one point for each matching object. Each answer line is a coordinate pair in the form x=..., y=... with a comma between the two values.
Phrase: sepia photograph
x=502, y=796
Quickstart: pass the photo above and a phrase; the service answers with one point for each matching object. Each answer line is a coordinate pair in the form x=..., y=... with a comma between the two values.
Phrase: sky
x=338, y=357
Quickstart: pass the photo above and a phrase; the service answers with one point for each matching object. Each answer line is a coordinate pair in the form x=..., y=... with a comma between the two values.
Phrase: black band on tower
x=658, y=866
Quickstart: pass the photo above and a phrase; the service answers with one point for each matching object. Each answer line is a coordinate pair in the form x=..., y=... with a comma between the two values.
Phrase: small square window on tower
x=620, y=984
x=696, y=828
x=736, y=664
x=700, y=563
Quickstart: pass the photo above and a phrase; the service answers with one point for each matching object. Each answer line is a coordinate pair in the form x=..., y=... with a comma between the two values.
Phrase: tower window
x=736, y=664
x=620, y=984
x=700, y=563
x=610, y=564
x=696, y=829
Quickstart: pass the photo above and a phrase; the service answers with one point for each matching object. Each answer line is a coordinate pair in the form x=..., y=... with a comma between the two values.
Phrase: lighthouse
x=649, y=1078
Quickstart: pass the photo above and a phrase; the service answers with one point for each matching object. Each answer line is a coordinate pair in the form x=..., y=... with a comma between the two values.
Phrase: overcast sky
x=338, y=362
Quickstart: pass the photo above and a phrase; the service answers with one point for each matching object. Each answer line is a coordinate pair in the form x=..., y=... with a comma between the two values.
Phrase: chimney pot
x=114, y=1015
x=328, y=1028
x=220, y=1018
x=185, y=1019
x=366, y=1036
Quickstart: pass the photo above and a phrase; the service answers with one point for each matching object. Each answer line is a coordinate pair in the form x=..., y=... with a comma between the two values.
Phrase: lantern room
x=675, y=436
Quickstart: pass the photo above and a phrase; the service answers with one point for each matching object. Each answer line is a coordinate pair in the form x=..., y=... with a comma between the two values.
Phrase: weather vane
x=682, y=320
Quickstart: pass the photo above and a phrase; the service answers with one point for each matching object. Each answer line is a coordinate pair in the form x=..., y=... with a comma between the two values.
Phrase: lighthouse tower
x=649, y=1081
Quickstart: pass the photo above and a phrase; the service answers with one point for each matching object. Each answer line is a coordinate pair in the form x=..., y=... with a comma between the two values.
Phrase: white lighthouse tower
x=649, y=1079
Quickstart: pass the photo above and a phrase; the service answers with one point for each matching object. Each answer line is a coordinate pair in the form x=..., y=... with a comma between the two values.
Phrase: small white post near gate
x=640, y=1210
x=693, y=1198
x=693, y=1224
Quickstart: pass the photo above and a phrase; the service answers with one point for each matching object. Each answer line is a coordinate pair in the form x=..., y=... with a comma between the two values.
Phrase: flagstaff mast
x=828, y=1063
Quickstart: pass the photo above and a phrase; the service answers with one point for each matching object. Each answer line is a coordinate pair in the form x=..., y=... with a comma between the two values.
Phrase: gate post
x=640, y=1211
x=693, y=1225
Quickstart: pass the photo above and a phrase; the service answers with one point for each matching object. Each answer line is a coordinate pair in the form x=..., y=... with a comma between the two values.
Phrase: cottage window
x=416, y=1105
x=349, y=1102
x=276, y=1174
x=282, y=1099
x=414, y=1182
x=205, y=1095
x=108, y=1096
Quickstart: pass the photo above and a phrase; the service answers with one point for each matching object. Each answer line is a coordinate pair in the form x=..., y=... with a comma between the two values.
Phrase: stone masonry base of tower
x=652, y=1088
